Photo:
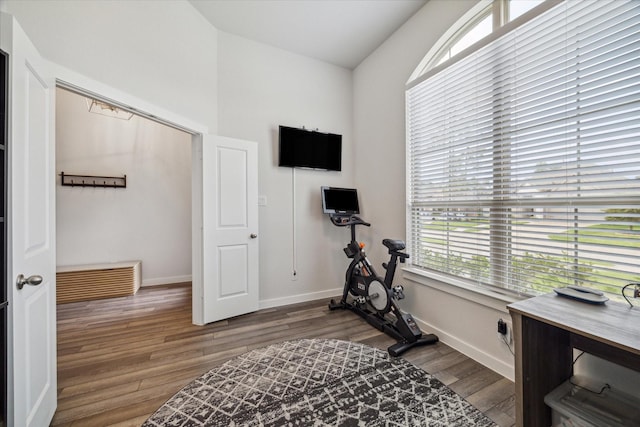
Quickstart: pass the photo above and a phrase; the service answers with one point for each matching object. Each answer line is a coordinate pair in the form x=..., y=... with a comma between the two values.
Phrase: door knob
x=253, y=235
x=34, y=280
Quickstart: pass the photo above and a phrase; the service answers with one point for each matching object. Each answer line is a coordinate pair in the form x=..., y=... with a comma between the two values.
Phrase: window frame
x=426, y=69
x=499, y=8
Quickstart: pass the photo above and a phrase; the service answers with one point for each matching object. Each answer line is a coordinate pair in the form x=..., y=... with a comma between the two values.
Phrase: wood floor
x=120, y=359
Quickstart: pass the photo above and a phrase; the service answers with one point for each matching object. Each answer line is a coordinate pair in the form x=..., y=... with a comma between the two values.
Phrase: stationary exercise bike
x=373, y=298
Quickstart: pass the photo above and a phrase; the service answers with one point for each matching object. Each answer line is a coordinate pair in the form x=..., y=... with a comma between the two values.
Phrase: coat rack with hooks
x=93, y=181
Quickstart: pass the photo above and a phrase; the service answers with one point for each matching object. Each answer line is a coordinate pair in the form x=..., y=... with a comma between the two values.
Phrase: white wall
x=161, y=59
x=163, y=53
x=261, y=87
x=379, y=118
x=189, y=67
x=464, y=319
x=171, y=57
x=468, y=323
x=150, y=220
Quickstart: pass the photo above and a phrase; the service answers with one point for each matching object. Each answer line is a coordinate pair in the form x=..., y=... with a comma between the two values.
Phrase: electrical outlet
x=504, y=332
x=502, y=327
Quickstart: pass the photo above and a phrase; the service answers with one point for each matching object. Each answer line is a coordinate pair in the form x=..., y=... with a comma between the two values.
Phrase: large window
x=524, y=155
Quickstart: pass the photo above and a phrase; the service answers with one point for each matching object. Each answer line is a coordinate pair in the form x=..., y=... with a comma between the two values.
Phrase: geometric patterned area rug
x=317, y=382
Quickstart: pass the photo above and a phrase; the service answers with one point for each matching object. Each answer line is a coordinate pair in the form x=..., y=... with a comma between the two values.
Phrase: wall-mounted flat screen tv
x=340, y=200
x=301, y=148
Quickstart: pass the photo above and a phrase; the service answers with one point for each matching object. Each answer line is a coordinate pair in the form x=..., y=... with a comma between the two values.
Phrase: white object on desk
x=580, y=293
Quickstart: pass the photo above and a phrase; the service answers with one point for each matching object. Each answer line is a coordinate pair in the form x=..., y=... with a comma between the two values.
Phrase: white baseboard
x=166, y=280
x=499, y=366
x=294, y=299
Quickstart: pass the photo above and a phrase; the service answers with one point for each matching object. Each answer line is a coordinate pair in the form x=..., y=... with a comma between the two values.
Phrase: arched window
x=522, y=149
x=486, y=17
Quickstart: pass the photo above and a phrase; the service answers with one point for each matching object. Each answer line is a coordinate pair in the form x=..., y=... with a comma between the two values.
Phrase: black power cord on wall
x=636, y=292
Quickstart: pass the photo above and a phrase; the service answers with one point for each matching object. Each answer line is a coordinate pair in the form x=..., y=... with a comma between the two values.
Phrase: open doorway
x=149, y=219
x=224, y=192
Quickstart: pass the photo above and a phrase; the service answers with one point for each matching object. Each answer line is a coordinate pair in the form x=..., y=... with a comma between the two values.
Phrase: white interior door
x=31, y=239
x=230, y=227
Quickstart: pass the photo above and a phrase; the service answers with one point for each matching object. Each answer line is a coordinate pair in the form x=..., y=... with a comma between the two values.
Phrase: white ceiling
x=341, y=32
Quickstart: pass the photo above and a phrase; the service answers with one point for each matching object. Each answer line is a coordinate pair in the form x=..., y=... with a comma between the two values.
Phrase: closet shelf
x=93, y=181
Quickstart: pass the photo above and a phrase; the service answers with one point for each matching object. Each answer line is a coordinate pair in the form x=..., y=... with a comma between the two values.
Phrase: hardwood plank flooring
x=120, y=359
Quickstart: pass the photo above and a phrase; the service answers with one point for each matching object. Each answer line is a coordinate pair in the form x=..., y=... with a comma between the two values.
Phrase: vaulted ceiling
x=340, y=32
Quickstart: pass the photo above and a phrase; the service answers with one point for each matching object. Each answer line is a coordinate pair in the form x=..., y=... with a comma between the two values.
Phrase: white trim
x=197, y=238
x=482, y=357
x=495, y=301
x=421, y=74
x=166, y=280
x=78, y=83
x=445, y=40
x=311, y=296
x=482, y=296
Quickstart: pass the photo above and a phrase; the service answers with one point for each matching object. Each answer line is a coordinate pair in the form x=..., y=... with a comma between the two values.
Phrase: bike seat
x=394, y=245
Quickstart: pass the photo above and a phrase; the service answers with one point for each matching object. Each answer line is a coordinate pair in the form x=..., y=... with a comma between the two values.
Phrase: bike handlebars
x=343, y=220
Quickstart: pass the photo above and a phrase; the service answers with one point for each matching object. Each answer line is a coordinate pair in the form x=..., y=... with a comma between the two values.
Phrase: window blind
x=523, y=157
